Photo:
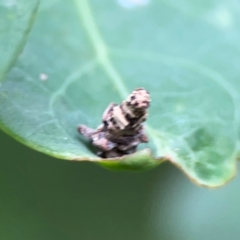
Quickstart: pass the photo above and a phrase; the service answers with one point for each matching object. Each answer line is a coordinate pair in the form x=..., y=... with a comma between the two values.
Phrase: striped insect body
x=122, y=128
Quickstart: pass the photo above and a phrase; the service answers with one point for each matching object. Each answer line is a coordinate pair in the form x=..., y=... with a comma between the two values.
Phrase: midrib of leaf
x=21, y=44
x=100, y=46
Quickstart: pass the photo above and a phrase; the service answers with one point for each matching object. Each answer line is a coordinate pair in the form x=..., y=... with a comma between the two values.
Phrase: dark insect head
x=133, y=97
x=105, y=123
x=139, y=99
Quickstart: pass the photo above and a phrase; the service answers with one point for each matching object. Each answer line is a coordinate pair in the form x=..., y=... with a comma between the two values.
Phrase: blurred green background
x=42, y=198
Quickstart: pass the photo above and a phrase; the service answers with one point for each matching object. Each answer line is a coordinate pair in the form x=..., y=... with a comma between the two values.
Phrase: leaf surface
x=15, y=22
x=81, y=55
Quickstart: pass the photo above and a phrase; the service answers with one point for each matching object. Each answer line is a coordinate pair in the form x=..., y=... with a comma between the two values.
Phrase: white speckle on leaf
x=221, y=17
x=43, y=77
x=133, y=3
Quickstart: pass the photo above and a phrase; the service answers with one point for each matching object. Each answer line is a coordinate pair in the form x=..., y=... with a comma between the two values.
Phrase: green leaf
x=15, y=22
x=81, y=55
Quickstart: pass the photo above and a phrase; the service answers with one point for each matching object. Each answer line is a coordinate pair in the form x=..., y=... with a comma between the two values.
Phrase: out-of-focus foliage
x=43, y=198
